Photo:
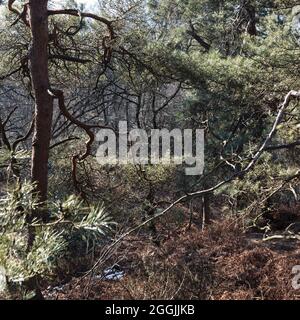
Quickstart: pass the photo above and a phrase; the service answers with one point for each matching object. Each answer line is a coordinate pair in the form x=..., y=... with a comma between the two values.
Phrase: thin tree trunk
x=206, y=210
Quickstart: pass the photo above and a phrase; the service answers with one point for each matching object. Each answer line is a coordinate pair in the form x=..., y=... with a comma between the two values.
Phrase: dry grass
x=220, y=263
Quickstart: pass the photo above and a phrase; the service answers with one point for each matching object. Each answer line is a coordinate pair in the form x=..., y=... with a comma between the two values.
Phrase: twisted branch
x=106, y=42
x=59, y=95
x=22, y=15
x=77, y=13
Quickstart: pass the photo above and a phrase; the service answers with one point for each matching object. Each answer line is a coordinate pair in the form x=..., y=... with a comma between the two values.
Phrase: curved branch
x=106, y=43
x=58, y=94
x=77, y=13
x=24, y=138
x=11, y=8
x=22, y=15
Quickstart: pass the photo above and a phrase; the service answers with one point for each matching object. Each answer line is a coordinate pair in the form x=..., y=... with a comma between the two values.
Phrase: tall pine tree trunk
x=38, y=57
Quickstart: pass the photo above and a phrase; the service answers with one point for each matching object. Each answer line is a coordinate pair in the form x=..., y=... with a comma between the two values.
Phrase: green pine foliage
x=70, y=224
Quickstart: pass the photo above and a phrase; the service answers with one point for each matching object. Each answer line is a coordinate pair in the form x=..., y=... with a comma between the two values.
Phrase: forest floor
x=222, y=262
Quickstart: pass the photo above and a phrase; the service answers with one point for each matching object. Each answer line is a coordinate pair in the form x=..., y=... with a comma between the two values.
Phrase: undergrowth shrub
x=73, y=230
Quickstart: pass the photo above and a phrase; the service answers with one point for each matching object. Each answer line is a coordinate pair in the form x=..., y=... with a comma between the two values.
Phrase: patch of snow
x=114, y=273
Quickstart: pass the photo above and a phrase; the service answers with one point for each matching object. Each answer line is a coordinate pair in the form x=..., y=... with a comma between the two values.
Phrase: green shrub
x=71, y=225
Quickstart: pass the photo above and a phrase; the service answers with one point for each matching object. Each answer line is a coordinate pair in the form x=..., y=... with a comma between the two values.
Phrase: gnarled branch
x=58, y=94
x=77, y=13
x=22, y=15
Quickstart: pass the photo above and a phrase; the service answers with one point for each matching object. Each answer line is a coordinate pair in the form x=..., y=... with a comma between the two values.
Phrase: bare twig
x=63, y=141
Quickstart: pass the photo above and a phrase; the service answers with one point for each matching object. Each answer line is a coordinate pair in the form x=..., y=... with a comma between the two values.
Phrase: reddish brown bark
x=38, y=57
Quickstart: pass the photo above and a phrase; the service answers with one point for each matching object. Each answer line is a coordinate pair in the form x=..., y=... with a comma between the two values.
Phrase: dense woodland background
x=229, y=67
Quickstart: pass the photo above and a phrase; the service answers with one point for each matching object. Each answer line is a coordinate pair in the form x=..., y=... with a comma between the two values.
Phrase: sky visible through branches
x=88, y=3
